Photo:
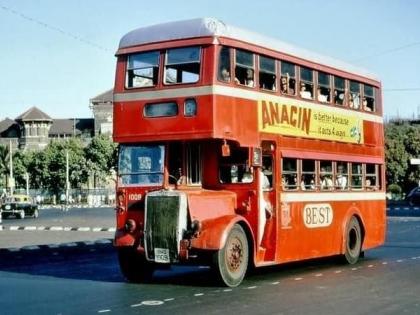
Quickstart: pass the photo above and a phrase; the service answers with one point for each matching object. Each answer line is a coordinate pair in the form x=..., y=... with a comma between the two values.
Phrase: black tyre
x=36, y=213
x=231, y=262
x=21, y=214
x=134, y=266
x=353, y=241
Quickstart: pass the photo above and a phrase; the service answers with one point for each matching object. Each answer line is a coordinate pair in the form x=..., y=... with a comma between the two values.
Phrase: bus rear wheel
x=134, y=266
x=353, y=241
x=230, y=263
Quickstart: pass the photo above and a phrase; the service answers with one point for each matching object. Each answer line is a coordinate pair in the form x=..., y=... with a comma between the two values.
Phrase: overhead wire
x=54, y=28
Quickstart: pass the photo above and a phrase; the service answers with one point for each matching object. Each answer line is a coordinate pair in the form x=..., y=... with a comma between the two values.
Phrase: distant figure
x=303, y=92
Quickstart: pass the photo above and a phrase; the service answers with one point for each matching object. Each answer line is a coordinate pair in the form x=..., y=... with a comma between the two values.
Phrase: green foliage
x=101, y=157
x=402, y=143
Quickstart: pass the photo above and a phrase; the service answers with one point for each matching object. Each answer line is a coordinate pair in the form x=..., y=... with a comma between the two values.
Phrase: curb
x=57, y=228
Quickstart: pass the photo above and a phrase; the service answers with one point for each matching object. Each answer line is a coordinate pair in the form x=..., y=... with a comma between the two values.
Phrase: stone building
x=101, y=106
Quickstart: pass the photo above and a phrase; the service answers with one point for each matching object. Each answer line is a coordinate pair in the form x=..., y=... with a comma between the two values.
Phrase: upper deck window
x=354, y=96
x=182, y=65
x=267, y=73
x=324, y=90
x=339, y=90
x=369, y=98
x=224, y=65
x=288, y=78
x=244, y=70
x=306, y=88
x=142, y=69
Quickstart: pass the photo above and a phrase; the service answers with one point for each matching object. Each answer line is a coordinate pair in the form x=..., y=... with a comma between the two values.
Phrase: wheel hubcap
x=235, y=255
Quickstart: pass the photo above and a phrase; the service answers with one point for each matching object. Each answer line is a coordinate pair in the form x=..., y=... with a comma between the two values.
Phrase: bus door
x=268, y=202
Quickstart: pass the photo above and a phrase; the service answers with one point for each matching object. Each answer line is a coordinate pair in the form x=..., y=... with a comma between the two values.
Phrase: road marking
x=30, y=228
x=384, y=263
x=298, y=279
x=83, y=229
x=275, y=283
x=338, y=271
x=354, y=269
x=168, y=300
x=397, y=208
x=13, y=228
x=136, y=305
x=227, y=290
x=199, y=294
x=400, y=260
x=152, y=303
x=104, y=311
x=41, y=228
x=252, y=287
x=370, y=266
x=319, y=275
x=56, y=228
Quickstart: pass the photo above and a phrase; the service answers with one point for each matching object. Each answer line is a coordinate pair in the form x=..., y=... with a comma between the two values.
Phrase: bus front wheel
x=353, y=241
x=231, y=262
x=134, y=266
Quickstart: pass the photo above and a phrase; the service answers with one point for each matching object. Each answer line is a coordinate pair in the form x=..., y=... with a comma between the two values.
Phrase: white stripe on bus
x=235, y=92
x=330, y=196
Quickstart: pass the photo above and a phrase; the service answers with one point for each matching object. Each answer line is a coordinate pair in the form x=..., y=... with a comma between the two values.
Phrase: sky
x=58, y=54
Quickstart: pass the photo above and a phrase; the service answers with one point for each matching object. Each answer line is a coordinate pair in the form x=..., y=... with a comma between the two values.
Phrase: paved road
x=54, y=226
x=86, y=280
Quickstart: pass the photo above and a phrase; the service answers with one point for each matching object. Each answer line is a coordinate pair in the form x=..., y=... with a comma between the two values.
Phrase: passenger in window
x=249, y=80
x=341, y=181
x=321, y=97
x=303, y=92
x=284, y=85
x=326, y=181
x=225, y=75
x=338, y=97
x=365, y=105
x=354, y=101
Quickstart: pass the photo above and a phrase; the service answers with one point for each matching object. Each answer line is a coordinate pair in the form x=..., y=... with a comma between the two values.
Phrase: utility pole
x=67, y=178
x=11, y=181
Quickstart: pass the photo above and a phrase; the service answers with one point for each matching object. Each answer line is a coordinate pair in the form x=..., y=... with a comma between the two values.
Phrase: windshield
x=141, y=165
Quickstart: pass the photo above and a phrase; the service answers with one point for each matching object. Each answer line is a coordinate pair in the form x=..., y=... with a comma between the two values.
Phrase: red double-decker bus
x=238, y=150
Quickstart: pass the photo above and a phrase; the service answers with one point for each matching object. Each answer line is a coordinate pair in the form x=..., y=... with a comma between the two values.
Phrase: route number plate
x=7, y=207
x=162, y=255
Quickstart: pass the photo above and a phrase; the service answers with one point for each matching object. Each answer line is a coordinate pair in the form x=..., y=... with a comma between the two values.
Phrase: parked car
x=19, y=206
x=413, y=196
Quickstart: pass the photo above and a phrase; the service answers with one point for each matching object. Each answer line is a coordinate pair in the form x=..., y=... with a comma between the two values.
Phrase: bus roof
x=205, y=27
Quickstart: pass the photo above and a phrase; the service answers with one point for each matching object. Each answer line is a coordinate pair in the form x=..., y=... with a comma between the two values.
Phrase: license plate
x=162, y=255
x=7, y=207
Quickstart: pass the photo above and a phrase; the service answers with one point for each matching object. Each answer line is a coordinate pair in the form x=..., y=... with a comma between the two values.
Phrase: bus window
x=182, y=65
x=369, y=98
x=142, y=69
x=224, y=65
x=288, y=78
x=244, y=69
x=371, y=181
x=354, y=95
x=326, y=175
x=267, y=73
x=324, y=90
x=342, y=175
x=339, y=90
x=267, y=168
x=234, y=168
x=306, y=87
x=356, y=176
x=289, y=174
x=141, y=165
x=307, y=181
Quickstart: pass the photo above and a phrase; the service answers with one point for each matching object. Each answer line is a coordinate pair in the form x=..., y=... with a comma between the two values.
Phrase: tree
x=101, y=156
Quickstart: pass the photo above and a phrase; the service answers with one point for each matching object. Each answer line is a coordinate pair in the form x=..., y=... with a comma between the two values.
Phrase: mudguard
x=214, y=232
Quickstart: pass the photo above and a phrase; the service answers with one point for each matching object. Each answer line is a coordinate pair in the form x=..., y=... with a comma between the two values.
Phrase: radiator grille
x=165, y=223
